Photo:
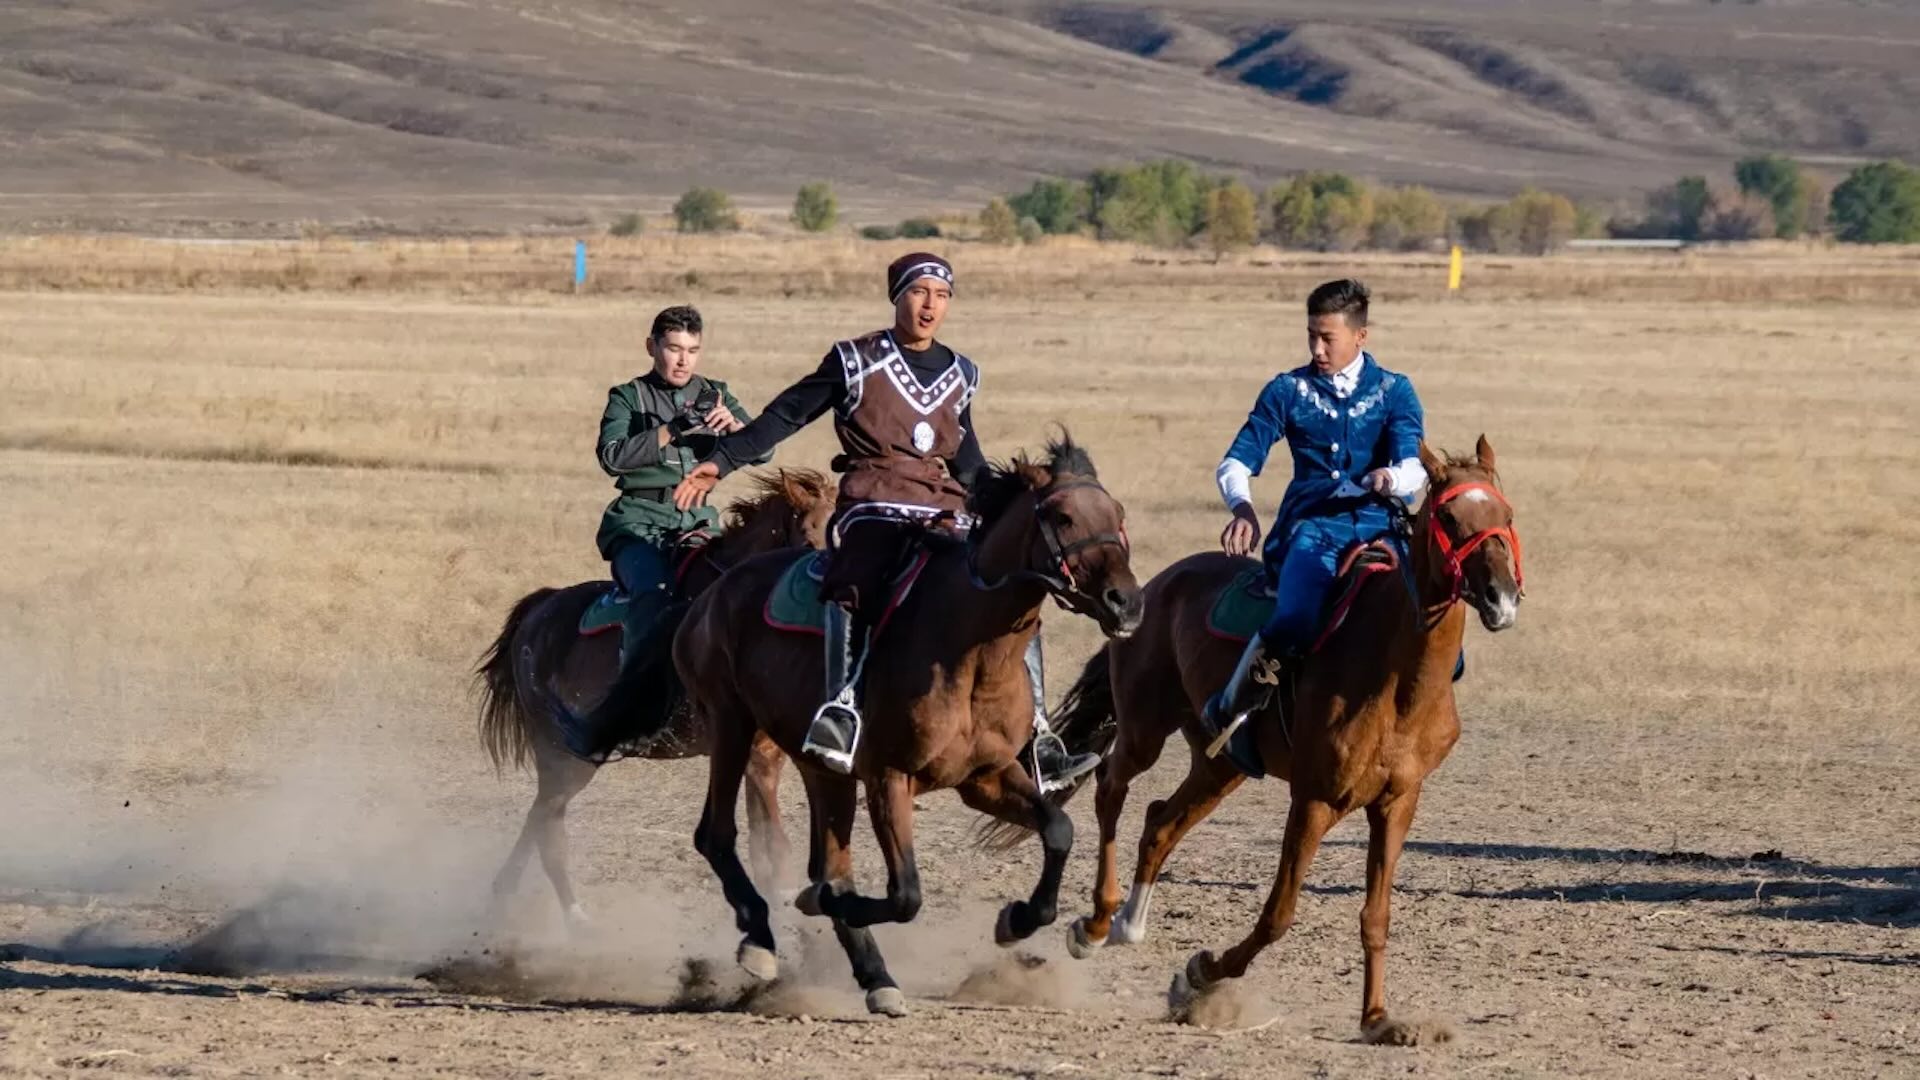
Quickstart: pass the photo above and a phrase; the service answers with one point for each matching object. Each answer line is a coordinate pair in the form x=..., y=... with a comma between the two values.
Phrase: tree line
x=1171, y=203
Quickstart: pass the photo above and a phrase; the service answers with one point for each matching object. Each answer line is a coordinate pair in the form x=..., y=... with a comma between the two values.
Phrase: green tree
x=1060, y=206
x=814, y=208
x=998, y=225
x=1543, y=221
x=1877, y=204
x=918, y=228
x=1030, y=231
x=1343, y=219
x=705, y=210
x=1230, y=215
x=1744, y=216
x=1407, y=219
x=1160, y=202
x=627, y=225
x=1680, y=210
x=1779, y=181
x=1293, y=213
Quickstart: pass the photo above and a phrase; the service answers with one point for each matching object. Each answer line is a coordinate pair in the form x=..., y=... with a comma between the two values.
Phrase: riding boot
x=835, y=732
x=1246, y=695
x=1054, y=767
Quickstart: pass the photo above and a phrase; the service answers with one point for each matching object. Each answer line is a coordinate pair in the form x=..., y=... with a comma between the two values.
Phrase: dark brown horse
x=540, y=665
x=1374, y=715
x=947, y=703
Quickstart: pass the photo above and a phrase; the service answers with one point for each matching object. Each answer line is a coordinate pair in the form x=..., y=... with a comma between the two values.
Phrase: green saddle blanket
x=1243, y=607
x=608, y=612
x=794, y=604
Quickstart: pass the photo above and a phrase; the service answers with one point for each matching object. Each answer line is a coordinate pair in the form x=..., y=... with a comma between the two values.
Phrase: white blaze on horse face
x=1130, y=922
x=1475, y=495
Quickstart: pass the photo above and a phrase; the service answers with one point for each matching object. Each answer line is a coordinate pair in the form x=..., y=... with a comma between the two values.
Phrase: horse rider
x=902, y=404
x=1354, y=430
x=654, y=430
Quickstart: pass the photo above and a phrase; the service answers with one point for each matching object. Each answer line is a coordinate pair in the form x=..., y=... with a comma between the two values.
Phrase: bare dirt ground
x=1677, y=836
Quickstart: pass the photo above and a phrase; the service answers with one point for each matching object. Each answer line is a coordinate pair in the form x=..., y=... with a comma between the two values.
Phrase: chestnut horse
x=946, y=701
x=540, y=666
x=1373, y=715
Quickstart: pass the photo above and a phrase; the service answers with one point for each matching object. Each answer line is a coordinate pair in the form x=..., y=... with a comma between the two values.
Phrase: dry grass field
x=257, y=530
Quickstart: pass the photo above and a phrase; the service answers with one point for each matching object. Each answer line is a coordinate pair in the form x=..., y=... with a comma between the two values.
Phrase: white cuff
x=1232, y=478
x=1408, y=477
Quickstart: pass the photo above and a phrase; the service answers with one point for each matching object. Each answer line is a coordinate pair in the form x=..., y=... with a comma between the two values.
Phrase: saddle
x=612, y=608
x=795, y=606
x=1244, y=606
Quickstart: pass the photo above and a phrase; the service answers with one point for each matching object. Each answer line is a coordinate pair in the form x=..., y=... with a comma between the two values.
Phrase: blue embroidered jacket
x=1332, y=440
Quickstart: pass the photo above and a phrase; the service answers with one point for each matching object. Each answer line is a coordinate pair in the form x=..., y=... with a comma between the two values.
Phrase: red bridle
x=1453, y=555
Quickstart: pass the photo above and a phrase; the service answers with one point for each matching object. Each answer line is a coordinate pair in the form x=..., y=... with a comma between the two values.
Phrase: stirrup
x=839, y=715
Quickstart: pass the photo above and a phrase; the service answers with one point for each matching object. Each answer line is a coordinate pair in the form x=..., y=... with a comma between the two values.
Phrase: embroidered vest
x=896, y=433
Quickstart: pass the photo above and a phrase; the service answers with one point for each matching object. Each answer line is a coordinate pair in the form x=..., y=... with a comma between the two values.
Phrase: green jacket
x=646, y=472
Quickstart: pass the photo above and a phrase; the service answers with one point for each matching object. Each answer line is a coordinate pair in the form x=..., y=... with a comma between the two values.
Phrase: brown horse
x=540, y=666
x=1374, y=714
x=947, y=703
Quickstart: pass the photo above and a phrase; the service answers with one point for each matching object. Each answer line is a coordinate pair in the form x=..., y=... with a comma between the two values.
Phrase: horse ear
x=790, y=489
x=1483, y=450
x=1435, y=465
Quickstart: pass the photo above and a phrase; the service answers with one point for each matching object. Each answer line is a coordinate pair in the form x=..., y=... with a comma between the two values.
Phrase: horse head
x=788, y=508
x=1470, y=523
x=1052, y=522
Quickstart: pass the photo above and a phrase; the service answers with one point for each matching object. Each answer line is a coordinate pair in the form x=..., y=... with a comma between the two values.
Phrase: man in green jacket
x=656, y=429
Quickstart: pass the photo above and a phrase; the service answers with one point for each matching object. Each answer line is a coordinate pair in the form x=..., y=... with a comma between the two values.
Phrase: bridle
x=1453, y=555
x=1058, y=577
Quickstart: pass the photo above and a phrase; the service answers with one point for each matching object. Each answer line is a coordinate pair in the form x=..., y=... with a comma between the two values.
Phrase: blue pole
x=579, y=265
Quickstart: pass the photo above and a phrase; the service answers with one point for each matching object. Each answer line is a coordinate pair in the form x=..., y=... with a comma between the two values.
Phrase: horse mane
x=998, y=484
x=780, y=485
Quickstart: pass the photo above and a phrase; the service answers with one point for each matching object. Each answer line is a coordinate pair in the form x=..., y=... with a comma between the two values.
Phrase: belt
x=652, y=494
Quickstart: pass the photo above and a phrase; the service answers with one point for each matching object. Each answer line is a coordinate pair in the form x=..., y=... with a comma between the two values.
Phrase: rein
x=1454, y=555
x=1058, y=578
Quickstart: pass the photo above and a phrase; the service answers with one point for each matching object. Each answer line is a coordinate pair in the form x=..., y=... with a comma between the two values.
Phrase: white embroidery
x=923, y=436
x=1313, y=398
x=924, y=399
x=1366, y=404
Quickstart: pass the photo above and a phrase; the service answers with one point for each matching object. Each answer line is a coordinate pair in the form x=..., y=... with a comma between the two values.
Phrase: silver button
x=1336, y=474
x=1336, y=448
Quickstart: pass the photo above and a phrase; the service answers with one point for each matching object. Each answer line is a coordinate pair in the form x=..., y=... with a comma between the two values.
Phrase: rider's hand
x=720, y=420
x=1242, y=534
x=1379, y=481
x=692, y=491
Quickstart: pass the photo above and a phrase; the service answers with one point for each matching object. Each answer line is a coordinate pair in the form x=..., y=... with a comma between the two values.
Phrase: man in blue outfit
x=1354, y=430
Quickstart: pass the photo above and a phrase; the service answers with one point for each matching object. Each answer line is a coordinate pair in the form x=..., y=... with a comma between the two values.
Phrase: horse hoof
x=887, y=1001
x=577, y=919
x=1003, y=932
x=808, y=900
x=1387, y=1031
x=759, y=962
x=1079, y=944
x=1188, y=984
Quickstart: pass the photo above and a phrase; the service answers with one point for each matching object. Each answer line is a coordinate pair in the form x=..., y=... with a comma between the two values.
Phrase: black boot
x=1055, y=768
x=835, y=732
x=1246, y=695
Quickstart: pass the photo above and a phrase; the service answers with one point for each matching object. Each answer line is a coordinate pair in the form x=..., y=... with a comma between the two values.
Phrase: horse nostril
x=1115, y=599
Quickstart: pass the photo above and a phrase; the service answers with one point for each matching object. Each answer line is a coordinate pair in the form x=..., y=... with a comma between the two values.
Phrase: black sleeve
x=796, y=407
x=968, y=460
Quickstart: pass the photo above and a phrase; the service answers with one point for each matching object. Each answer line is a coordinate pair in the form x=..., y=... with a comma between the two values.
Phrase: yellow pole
x=1453, y=270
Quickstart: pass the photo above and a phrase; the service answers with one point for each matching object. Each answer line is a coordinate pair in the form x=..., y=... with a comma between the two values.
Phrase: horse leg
x=1387, y=823
x=830, y=865
x=890, y=806
x=560, y=776
x=767, y=848
x=1011, y=796
x=1132, y=755
x=716, y=839
x=1307, y=822
x=1168, y=821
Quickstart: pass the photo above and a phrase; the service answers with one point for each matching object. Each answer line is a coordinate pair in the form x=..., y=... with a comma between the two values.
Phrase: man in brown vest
x=902, y=405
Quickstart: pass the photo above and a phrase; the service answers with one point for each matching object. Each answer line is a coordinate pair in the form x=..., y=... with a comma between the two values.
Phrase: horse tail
x=506, y=726
x=1087, y=723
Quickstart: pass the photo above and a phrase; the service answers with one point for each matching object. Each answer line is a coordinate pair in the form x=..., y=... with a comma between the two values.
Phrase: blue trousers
x=1303, y=569
x=645, y=572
